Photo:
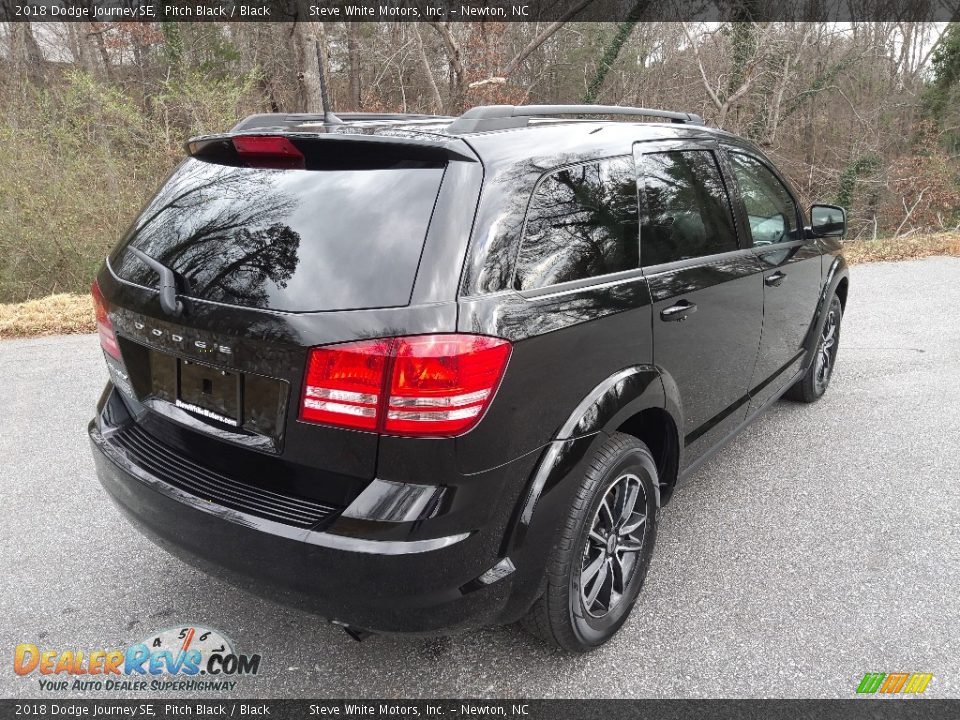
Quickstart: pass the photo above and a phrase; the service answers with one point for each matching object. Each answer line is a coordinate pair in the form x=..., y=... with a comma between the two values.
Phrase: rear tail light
x=434, y=385
x=441, y=384
x=274, y=151
x=344, y=384
x=108, y=339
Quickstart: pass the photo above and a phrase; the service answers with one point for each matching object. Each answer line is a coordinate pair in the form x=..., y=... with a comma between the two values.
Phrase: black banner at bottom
x=851, y=709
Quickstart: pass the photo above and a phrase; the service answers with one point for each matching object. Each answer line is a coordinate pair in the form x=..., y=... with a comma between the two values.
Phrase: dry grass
x=52, y=315
x=902, y=248
x=68, y=313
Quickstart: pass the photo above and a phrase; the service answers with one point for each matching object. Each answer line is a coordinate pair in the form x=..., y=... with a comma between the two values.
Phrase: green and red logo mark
x=894, y=683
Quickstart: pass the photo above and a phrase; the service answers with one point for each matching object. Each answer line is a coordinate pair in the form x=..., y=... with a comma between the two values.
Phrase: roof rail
x=499, y=117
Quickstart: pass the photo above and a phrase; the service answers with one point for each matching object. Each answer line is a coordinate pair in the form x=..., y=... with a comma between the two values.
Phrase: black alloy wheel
x=599, y=562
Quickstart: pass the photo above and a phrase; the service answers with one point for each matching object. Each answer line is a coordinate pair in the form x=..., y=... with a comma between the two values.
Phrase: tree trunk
x=457, y=78
x=308, y=77
x=97, y=35
x=612, y=52
x=81, y=40
x=353, y=56
x=24, y=51
x=436, y=98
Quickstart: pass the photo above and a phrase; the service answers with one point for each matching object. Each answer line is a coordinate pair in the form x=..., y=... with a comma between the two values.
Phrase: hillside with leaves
x=93, y=116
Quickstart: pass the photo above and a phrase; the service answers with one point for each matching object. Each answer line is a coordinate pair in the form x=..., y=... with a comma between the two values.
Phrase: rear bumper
x=412, y=586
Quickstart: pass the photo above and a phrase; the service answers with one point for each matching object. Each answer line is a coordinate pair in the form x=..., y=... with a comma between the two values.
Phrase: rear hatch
x=345, y=234
x=297, y=243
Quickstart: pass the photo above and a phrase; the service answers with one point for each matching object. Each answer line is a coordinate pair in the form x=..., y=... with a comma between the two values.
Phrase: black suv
x=417, y=373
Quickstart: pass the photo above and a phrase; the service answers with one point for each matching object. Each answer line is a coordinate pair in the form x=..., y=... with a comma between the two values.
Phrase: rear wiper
x=168, y=283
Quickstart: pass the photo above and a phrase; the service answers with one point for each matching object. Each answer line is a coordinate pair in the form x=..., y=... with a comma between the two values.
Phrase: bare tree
x=305, y=38
x=501, y=75
x=436, y=98
x=24, y=52
x=353, y=64
x=541, y=37
x=746, y=74
x=458, y=75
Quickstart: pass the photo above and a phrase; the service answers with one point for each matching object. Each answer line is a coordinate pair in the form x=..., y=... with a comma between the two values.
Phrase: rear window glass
x=290, y=240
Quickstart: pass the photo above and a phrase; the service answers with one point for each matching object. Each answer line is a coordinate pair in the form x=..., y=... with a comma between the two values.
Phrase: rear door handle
x=775, y=280
x=678, y=312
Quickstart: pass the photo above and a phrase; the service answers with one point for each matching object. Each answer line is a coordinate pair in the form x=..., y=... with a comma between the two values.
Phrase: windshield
x=290, y=240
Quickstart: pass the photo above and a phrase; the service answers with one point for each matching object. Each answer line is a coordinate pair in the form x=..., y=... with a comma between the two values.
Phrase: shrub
x=81, y=157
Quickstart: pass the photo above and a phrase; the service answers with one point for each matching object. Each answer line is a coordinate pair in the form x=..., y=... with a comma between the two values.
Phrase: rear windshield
x=291, y=240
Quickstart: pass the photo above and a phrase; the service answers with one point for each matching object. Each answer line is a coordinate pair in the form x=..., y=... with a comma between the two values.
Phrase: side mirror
x=828, y=221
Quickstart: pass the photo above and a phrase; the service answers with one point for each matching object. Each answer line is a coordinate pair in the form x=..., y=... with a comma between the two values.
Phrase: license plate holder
x=211, y=392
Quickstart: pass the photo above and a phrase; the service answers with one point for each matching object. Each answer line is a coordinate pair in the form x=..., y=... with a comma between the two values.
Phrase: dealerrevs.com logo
x=182, y=658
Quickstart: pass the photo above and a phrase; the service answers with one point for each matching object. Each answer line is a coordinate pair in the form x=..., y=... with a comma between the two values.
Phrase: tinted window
x=581, y=223
x=770, y=208
x=688, y=211
x=294, y=240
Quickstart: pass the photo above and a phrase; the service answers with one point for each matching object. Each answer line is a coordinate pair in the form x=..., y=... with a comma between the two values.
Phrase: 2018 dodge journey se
x=417, y=373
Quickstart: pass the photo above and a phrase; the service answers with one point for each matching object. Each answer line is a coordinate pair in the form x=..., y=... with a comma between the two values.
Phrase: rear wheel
x=598, y=566
x=816, y=379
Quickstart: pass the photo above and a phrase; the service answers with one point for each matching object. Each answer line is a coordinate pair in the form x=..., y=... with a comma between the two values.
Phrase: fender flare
x=838, y=271
x=614, y=400
x=536, y=520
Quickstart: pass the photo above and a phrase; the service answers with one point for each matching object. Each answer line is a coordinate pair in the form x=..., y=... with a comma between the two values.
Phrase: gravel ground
x=823, y=543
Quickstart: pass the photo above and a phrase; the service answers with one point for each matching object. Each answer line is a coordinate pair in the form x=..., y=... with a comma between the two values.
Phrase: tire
x=580, y=608
x=816, y=379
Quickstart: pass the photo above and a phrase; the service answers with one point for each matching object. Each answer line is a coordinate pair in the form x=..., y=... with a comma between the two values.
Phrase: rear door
x=791, y=271
x=705, y=286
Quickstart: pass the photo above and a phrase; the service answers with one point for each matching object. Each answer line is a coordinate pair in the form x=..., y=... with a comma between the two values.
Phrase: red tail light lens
x=108, y=339
x=441, y=384
x=268, y=151
x=436, y=385
x=344, y=383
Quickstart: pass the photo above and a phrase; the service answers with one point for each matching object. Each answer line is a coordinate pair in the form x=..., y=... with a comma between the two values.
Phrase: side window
x=581, y=223
x=688, y=210
x=770, y=208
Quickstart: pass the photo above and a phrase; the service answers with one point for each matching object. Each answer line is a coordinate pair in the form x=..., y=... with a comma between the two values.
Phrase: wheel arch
x=841, y=291
x=836, y=282
x=658, y=430
x=631, y=401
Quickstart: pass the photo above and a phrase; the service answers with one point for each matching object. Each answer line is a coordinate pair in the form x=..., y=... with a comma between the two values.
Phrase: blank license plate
x=209, y=391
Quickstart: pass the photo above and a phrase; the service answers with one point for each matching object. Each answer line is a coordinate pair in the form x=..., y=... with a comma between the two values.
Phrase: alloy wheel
x=827, y=350
x=610, y=556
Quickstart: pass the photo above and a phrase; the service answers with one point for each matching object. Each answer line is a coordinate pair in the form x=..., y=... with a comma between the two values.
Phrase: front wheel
x=816, y=379
x=598, y=566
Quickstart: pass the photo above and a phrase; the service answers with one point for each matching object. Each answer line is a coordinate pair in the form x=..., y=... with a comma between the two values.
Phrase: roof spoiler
x=342, y=145
x=500, y=117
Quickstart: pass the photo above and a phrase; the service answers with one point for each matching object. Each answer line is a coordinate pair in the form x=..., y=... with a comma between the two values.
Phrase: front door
x=706, y=288
x=791, y=273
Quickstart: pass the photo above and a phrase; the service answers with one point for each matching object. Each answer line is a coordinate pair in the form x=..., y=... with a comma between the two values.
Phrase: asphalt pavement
x=823, y=543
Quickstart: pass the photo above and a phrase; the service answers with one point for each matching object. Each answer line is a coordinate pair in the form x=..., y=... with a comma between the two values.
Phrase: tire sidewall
x=588, y=631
